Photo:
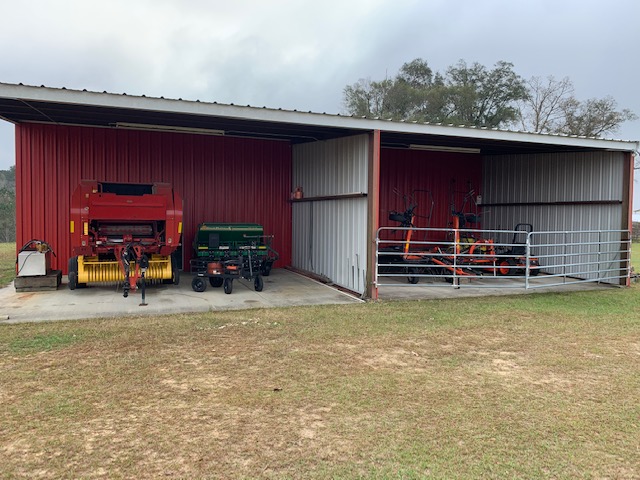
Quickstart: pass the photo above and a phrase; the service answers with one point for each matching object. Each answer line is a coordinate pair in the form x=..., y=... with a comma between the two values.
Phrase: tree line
x=464, y=94
x=475, y=95
x=8, y=205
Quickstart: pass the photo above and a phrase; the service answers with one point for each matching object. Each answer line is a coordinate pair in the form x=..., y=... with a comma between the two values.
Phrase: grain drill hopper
x=228, y=251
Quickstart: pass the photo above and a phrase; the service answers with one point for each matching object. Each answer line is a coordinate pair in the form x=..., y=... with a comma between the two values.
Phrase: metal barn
x=241, y=164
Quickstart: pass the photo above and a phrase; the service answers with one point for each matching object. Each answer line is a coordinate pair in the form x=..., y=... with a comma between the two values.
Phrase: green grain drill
x=220, y=242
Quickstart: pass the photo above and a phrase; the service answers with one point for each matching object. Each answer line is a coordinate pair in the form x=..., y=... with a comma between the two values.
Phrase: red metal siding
x=442, y=173
x=221, y=179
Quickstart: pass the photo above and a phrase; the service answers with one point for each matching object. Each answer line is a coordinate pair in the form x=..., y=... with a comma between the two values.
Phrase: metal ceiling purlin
x=342, y=125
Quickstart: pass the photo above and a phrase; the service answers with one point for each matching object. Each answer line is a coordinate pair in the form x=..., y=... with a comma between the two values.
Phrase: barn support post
x=20, y=216
x=373, y=216
x=627, y=213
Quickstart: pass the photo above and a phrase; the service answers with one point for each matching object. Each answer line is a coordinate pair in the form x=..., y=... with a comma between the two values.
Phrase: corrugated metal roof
x=24, y=103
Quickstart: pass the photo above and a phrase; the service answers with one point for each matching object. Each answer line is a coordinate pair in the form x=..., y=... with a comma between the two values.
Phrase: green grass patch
x=42, y=342
x=7, y=263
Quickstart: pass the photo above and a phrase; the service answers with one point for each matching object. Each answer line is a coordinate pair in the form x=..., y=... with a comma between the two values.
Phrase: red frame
x=89, y=204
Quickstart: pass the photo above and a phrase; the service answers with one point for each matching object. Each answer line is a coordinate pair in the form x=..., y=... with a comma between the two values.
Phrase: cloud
x=300, y=55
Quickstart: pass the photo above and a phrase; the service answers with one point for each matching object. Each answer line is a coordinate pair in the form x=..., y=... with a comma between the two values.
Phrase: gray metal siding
x=553, y=177
x=546, y=178
x=331, y=167
x=329, y=236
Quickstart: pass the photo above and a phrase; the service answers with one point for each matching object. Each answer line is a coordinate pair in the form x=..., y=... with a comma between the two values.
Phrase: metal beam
x=152, y=104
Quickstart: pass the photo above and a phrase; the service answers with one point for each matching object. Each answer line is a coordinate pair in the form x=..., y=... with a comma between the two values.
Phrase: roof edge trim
x=195, y=107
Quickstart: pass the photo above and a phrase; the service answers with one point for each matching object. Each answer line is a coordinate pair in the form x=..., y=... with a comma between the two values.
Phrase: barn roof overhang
x=24, y=104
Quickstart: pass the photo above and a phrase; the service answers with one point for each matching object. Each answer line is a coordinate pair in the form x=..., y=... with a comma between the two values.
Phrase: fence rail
x=433, y=257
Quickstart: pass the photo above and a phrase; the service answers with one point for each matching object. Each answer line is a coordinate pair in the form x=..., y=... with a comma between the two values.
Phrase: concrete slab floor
x=398, y=288
x=282, y=288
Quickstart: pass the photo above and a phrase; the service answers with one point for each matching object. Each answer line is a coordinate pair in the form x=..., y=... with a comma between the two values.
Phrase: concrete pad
x=282, y=288
x=398, y=288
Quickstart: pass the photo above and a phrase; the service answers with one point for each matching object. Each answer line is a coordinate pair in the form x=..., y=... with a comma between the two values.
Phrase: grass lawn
x=529, y=386
x=7, y=263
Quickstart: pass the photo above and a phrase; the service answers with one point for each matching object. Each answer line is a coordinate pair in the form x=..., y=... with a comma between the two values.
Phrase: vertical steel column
x=527, y=259
x=373, y=215
x=599, y=252
x=627, y=214
x=564, y=260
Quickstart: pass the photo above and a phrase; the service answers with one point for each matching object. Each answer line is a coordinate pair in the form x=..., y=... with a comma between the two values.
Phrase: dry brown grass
x=542, y=386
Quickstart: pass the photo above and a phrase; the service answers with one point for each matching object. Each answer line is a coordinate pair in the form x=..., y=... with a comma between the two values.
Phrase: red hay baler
x=124, y=232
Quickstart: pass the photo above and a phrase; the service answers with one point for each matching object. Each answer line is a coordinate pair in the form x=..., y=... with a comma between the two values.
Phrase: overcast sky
x=300, y=54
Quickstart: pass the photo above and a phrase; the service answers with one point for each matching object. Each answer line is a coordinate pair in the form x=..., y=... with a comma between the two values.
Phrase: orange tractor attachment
x=464, y=255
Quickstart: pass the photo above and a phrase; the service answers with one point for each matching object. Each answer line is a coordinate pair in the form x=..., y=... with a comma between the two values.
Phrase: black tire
x=198, y=284
x=534, y=271
x=413, y=280
x=441, y=271
x=228, y=285
x=216, y=282
x=447, y=274
x=258, y=283
x=266, y=269
x=73, y=273
x=73, y=280
x=175, y=273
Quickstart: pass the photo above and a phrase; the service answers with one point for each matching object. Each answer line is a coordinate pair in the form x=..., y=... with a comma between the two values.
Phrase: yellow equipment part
x=93, y=270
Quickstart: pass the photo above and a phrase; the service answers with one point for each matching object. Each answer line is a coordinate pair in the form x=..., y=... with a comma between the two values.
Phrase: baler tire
x=265, y=270
x=228, y=285
x=73, y=280
x=258, y=283
x=73, y=273
x=198, y=284
x=216, y=282
x=175, y=273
